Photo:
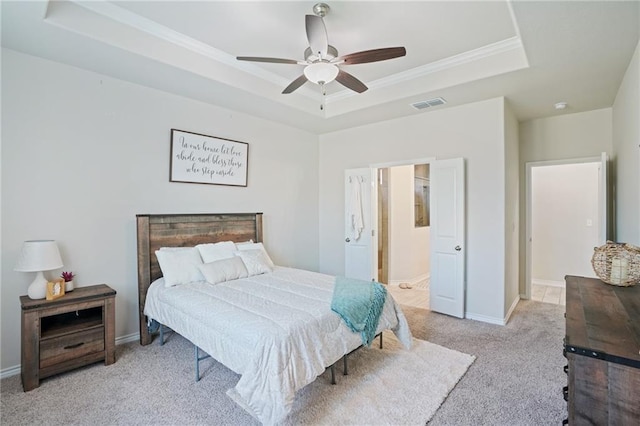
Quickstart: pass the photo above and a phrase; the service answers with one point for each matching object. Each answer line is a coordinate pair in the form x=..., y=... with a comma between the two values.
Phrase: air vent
x=429, y=103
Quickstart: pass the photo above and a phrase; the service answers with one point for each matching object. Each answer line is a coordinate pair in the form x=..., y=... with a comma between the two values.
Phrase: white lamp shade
x=321, y=72
x=39, y=255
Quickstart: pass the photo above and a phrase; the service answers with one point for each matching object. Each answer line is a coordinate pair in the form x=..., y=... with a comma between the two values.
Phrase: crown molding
x=513, y=43
x=116, y=13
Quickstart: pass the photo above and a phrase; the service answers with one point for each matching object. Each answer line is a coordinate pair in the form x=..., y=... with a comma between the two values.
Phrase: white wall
x=564, y=200
x=568, y=136
x=82, y=154
x=473, y=131
x=626, y=144
x=583, y=134
x=512, y=209
x=408, y=245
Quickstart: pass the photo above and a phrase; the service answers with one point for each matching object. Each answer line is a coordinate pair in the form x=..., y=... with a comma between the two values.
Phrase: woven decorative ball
x=617, y=263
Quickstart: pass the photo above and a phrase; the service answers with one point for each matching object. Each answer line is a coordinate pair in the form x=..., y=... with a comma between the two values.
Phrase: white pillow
x=257, y=246
x=224, y=270
x=180, y=266
x=256, y=261
x=216, y=251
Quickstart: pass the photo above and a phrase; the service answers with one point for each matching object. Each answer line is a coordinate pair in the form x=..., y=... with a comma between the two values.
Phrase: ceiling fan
x=321, y=60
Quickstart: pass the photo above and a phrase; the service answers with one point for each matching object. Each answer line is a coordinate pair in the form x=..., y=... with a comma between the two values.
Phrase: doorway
x=447, y=233
x=404, y=232
x=566, y=219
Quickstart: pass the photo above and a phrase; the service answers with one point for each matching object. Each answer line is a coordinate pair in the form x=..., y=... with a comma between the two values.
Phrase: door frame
x=602, y=192
x=374, y=198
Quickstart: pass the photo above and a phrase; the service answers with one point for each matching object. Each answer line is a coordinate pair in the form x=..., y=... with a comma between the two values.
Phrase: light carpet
x=155, y=385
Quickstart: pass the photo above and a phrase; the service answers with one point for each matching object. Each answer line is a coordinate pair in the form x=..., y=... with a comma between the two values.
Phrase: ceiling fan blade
x=317, y=35
x=295, y=84
x=350, y=82
x=270, y=60
x=374, y=55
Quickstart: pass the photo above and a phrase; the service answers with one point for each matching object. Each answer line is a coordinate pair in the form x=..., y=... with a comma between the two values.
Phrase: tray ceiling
x=533, y=53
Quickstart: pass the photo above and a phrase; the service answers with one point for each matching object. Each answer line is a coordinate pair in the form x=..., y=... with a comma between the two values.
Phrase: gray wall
x=626, y=144
x=82, y=154
x=474, y=132
x=512, y=222
x=563, y=137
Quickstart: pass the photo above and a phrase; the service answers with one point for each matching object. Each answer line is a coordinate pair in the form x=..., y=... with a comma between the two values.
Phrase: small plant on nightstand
x=68, y=281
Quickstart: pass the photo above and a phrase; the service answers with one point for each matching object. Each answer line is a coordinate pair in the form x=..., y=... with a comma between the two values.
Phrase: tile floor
x=418, y=296
x=548, y=294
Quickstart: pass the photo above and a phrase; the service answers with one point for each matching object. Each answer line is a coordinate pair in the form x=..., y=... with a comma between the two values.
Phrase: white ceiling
x=533, y=53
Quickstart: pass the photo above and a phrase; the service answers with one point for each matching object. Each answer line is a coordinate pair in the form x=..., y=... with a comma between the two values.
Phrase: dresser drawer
x=60, y=349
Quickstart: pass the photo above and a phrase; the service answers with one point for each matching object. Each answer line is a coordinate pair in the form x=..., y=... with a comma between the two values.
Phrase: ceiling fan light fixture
x=321, y=72
x=321, y=60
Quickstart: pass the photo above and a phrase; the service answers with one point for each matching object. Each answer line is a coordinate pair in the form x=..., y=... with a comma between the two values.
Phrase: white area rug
x=390, y=386
x=154, y=385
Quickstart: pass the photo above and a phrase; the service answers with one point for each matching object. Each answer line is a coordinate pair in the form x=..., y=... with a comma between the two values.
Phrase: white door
x=358, y=225
x=447, y=237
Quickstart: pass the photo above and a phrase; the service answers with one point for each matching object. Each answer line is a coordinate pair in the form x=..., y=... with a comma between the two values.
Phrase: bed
x=275, y=329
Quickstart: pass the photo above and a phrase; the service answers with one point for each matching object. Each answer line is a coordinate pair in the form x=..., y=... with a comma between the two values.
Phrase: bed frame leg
x=197, y=363
x=333, y=374
x=345, y=368
x=198, y=359
x=161, y=335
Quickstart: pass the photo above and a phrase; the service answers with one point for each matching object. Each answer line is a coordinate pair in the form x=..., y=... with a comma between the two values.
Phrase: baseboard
x=15, y=370
x=511, y=309
x=11, y=371
x=127, y=339
x=485, y=318
x=550, y=283
x=411, y=281
x=494, y=320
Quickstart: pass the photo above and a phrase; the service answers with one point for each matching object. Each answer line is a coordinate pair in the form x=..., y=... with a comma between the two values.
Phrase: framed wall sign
x=197, y=158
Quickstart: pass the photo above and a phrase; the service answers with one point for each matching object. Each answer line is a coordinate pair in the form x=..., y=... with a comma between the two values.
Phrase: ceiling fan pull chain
x=324, y=95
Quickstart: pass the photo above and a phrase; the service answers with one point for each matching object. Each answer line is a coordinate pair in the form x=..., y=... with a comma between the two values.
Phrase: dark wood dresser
x=602, y=346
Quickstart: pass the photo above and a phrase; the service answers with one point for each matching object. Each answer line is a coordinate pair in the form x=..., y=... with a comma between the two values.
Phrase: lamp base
x=38, y=288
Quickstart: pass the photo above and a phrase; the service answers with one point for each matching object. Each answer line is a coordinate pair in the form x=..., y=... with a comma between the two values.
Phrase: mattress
x=276, y=330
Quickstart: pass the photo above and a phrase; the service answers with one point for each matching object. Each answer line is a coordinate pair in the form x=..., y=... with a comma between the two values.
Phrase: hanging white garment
x=356, y=208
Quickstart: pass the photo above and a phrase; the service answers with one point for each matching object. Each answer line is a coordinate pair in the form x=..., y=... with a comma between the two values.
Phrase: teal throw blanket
x=359, y=303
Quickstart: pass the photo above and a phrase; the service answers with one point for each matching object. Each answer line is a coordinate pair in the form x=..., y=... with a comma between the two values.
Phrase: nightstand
x=66, y=333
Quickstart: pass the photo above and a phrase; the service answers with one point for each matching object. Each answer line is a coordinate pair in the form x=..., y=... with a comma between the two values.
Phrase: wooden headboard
x=184, y=230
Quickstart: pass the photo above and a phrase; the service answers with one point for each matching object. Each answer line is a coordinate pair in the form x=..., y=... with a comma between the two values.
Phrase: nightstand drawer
x=60, y=349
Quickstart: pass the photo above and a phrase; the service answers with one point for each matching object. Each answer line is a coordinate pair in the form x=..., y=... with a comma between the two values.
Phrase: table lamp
x=38, y=256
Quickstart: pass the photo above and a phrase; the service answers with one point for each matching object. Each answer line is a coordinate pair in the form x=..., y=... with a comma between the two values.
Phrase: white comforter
x=277, y=330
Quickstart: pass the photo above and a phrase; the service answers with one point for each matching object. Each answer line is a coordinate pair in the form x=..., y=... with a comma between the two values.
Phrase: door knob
x=458, y=248
x=347, y=239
